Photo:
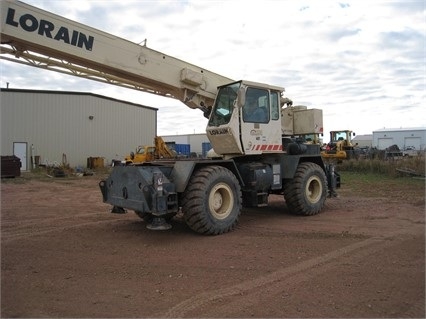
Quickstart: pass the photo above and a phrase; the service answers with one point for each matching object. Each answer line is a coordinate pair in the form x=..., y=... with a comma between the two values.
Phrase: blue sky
x=361, y=62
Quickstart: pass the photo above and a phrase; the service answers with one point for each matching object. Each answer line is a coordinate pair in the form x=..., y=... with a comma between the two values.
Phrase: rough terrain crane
x=250, y=127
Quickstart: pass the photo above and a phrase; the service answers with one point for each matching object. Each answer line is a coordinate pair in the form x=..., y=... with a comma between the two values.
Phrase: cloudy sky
x=362, y=62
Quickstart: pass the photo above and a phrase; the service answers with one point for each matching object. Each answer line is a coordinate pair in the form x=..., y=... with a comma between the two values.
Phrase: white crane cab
x=246, y=119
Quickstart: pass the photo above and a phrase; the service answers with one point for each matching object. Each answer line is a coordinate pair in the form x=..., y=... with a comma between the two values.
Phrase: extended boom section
x=41, y=39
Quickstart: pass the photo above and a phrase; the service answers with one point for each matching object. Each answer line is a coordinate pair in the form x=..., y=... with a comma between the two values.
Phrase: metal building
x=402, y=137
x=57, y=126
x=365, y=140
x=198, y=144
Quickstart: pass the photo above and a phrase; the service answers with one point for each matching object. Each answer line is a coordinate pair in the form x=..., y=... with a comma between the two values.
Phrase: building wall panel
x=79, y=125
x=195, y=140
x=382, y=138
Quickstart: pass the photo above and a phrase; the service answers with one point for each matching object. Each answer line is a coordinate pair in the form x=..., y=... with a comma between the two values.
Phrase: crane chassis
x=252, y=127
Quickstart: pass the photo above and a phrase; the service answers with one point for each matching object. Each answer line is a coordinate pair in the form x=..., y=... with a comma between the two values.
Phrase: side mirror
x=207, y=113
x=241, y=97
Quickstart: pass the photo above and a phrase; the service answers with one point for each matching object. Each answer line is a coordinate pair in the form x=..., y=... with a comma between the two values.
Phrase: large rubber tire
x=305, y=194
x=211, y=203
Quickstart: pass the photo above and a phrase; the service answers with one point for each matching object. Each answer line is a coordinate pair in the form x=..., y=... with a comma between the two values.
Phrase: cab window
x=275, y=105
x=256, y=108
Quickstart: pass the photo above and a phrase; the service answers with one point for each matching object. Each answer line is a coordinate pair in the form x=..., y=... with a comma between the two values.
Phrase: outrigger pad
x=118, y=210
x=159, y=223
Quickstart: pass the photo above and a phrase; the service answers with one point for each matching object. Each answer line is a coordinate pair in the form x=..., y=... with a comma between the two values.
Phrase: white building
x=365, y=140
x=402, y=137
x=56, y=125
x=198, y=144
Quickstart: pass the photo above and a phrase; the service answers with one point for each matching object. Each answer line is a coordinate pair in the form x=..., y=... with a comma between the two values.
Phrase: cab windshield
x=140, y=150
x=338, y=136
x=224, y=105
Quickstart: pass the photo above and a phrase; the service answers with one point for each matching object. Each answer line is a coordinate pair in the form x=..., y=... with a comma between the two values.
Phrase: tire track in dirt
x=44, y=220
x=291, y=275
x=6, y=238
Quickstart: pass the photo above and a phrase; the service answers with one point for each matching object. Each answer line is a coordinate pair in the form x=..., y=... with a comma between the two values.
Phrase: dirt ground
x=64, y=255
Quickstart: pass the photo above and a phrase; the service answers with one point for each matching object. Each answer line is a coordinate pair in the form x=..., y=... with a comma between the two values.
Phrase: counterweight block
x=144, y=189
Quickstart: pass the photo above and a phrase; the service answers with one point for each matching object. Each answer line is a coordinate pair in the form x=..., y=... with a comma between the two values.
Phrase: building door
x=384, y=142
x=20, y=150
x=412, y=141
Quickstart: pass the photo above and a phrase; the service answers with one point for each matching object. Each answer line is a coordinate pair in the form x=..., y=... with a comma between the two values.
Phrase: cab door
x=260, y=122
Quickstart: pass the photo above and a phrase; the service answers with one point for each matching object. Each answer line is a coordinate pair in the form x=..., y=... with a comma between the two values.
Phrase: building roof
x=401, y=129
x=363, y=137
x=75, y=93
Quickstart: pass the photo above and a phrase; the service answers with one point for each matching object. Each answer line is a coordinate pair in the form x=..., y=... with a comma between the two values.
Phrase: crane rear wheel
x=212, y=201
x=305, y=194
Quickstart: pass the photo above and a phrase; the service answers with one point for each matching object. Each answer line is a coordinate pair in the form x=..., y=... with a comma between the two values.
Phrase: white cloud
x=362, y=62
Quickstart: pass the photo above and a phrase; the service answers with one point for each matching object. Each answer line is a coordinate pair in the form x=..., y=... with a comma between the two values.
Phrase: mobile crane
x=256, y=157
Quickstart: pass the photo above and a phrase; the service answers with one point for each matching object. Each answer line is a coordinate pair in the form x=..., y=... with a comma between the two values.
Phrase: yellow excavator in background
x=340, y=146
x=149, y=153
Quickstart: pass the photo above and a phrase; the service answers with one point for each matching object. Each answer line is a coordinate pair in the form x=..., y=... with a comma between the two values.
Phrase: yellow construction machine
x=340, y=146
x=149, y=153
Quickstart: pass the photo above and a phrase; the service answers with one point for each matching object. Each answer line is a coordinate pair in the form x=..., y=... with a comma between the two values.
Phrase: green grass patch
x=411, y=166
x=398, y=189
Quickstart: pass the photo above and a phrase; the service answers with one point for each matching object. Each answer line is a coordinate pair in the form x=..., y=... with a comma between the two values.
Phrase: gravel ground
x=64, y=255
